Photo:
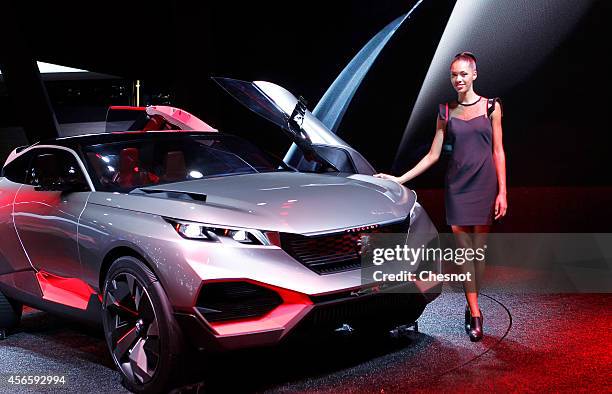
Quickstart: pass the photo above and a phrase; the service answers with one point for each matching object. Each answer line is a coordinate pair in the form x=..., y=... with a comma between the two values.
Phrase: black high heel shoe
x=468, y=317
x=476, y=330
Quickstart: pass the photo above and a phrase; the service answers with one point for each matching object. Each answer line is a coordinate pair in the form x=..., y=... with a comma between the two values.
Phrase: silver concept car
x=174, y=235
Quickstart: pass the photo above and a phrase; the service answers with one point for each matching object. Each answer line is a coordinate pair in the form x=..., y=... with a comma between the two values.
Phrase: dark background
x=556, y=128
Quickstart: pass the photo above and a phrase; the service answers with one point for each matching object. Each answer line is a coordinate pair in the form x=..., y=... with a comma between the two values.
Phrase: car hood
x=280, y=201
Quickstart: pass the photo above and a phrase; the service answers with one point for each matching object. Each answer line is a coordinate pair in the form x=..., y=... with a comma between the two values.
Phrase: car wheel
x=141, y=332
x=10, y=313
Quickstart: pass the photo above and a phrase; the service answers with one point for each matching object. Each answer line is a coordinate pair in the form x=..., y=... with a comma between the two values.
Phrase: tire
x=10, y=313
x=141, y=332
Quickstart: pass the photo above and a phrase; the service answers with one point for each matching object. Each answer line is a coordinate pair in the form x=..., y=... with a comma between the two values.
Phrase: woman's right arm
x=427, y=161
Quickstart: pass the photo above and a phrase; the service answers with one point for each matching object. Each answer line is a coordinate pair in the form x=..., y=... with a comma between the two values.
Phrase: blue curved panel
x=331, y=108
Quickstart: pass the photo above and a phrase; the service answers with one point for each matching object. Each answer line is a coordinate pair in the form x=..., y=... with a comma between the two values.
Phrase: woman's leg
x=480, y=236
x=464, y=240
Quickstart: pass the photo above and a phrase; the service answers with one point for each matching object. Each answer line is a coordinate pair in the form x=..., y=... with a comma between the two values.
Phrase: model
x=470, y=130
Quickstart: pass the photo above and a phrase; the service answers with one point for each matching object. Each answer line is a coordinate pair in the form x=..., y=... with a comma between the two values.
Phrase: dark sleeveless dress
x=471, y=178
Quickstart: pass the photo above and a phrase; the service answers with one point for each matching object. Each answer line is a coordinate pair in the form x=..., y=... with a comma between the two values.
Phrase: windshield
x=126, y=165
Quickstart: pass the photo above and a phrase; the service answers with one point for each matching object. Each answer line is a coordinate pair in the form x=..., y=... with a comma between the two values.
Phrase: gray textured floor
x=540, y=352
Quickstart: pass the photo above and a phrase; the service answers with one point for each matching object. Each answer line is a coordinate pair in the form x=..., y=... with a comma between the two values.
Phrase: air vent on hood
x=174, y=194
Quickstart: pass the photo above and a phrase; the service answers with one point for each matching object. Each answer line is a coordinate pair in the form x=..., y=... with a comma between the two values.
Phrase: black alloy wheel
x=139, y=327
x=134, y=330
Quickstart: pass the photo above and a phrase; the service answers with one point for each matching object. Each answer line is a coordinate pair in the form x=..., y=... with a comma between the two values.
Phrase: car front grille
x=335, y=252
x=381, y=311
x=362, y=310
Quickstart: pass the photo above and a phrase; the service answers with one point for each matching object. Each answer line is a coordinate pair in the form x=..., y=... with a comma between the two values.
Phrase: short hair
x=466, y=56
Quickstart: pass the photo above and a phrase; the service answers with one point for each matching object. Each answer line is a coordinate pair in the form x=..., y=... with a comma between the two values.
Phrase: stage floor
x=554, y=343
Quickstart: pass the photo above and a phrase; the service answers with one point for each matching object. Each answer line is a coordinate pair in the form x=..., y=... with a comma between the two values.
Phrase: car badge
x=366, y=291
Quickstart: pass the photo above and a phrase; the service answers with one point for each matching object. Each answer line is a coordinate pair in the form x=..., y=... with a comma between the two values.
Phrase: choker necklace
x=467, y=105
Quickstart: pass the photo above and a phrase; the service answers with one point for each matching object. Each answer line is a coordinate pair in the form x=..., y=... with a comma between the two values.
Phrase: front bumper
x=312, y=316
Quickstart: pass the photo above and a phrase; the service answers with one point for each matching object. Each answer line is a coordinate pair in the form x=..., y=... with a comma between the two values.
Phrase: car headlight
x=205, y=232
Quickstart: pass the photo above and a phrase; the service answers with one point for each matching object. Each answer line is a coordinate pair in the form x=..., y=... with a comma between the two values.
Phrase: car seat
x=174, y=166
